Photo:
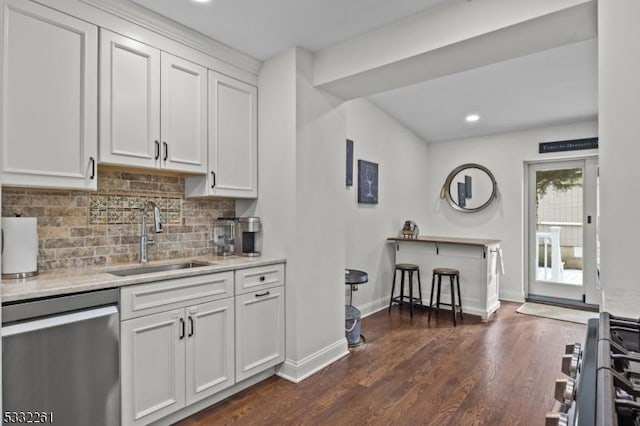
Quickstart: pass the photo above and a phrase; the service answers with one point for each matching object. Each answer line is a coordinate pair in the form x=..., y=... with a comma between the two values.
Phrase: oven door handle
x=56, y=321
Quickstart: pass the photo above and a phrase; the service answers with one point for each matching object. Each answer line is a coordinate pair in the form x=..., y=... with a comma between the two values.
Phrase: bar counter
x=478, y=260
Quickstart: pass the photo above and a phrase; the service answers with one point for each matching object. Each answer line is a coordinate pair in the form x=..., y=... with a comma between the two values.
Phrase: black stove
x=603, y=384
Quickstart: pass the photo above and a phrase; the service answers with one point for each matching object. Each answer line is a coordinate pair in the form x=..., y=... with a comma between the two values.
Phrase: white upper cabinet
x=233, y=141
x=49, y=98
x=184, y=115
x=153, y=110
x=129, y=102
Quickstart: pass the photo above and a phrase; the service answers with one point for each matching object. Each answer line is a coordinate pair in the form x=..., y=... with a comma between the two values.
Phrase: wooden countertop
x=446, y=240
x=76, y=280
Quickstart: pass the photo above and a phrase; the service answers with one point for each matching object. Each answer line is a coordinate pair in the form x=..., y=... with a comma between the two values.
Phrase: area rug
x=556, y=312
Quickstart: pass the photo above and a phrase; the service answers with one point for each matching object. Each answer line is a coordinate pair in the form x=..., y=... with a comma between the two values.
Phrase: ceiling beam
x=373, y=63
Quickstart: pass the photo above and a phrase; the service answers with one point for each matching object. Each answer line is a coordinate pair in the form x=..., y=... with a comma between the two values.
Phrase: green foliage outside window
x=561, y=180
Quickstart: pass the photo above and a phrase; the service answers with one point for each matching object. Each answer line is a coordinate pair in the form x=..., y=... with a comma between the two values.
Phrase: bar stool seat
x=454, y=279
x=446, y=271
x=408, y=268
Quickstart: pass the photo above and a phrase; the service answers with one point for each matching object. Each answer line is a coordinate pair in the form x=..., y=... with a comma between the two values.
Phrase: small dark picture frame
x=367, y=182
x=349, y=180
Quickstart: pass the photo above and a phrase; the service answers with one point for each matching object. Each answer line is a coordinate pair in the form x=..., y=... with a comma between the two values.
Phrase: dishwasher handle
x=58, y=320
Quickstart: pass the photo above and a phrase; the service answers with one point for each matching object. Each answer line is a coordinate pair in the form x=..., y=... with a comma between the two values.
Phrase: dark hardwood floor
x=501, y=372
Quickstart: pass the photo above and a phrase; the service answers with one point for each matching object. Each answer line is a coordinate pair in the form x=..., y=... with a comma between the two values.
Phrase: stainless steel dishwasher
x=60, y=360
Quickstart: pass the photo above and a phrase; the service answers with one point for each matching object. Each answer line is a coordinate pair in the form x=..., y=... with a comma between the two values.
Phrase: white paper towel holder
x=15, y=275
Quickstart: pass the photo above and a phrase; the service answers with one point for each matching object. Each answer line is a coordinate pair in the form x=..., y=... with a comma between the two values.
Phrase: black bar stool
x=409, y=268
x=453, y=274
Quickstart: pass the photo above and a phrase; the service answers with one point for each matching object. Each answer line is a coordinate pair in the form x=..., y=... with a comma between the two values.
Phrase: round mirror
x=469, y=188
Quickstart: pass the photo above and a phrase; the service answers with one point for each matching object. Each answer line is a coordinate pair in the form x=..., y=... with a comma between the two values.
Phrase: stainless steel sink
x=160, y=268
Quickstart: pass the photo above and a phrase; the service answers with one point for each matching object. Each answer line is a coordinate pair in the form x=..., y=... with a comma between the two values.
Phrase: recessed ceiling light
x=472, y=118
x=202, y=1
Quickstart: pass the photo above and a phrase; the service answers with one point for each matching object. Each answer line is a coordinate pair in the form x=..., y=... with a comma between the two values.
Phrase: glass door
x=562, y=216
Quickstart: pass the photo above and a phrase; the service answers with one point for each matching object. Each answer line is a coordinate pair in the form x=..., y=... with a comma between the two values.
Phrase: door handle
x=182, y=328
x=166, y=150
x=157, y=143
x=214, y=180
x=266, y=293
x=93, y=168
x=191, y=326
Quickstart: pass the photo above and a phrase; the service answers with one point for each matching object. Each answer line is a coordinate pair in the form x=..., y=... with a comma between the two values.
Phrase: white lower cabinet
x=152, y=367
x=184, y=340
x=259, y=331
x=210, y=349
x=173, y=359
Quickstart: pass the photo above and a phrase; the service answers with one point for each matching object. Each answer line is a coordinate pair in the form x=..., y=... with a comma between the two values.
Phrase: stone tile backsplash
x=125, y=209
x=78, y=228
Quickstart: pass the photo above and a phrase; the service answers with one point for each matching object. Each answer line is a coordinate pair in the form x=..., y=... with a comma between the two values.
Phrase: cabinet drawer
x=253, y=279
x=145, y=299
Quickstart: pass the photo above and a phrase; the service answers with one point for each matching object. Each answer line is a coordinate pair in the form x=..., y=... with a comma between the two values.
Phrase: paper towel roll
x=20, y=246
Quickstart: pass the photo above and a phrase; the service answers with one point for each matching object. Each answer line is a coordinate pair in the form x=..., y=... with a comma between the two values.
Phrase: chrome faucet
x=157, y=228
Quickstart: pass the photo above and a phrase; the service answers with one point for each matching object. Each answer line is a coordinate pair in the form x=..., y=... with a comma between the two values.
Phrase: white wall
x=503, y=154
x=300, y=182
x=619, y=106
x=320, y=227
x=402, y=192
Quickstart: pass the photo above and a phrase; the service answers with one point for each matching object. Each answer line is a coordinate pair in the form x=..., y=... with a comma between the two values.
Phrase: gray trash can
x=353, y=321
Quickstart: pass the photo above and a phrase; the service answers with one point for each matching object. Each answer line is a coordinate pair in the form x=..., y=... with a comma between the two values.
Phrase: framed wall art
x=367, y=182
x=349, y=180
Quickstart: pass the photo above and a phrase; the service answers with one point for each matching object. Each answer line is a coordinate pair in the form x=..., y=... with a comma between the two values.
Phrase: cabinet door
x=129, y=102
x=49, y=98
x=152, y=366
x=184, y=115
x=210, y=349
x=259, y=331
x=233, y=137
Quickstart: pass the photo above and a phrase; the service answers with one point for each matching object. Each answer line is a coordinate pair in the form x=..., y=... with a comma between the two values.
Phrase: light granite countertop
x=75, y=280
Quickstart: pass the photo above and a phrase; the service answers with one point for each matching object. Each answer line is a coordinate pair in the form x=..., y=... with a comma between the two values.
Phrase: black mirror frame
x=445, y=192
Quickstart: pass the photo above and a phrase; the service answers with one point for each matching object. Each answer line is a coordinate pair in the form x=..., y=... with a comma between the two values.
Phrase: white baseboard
x=297, y=371
x=374, y=306
x=383, y=303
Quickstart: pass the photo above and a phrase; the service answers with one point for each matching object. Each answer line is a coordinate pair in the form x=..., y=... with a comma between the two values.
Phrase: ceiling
x=552, y=87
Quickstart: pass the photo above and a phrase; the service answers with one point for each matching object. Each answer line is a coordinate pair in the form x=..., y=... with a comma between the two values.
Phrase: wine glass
x=368, y=177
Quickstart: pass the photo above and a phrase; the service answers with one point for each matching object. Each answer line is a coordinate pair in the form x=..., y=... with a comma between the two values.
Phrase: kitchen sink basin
x=139, y=270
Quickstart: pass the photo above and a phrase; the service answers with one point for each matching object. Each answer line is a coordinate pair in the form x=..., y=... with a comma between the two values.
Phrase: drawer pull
x=266, y=293
x=262, y=278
